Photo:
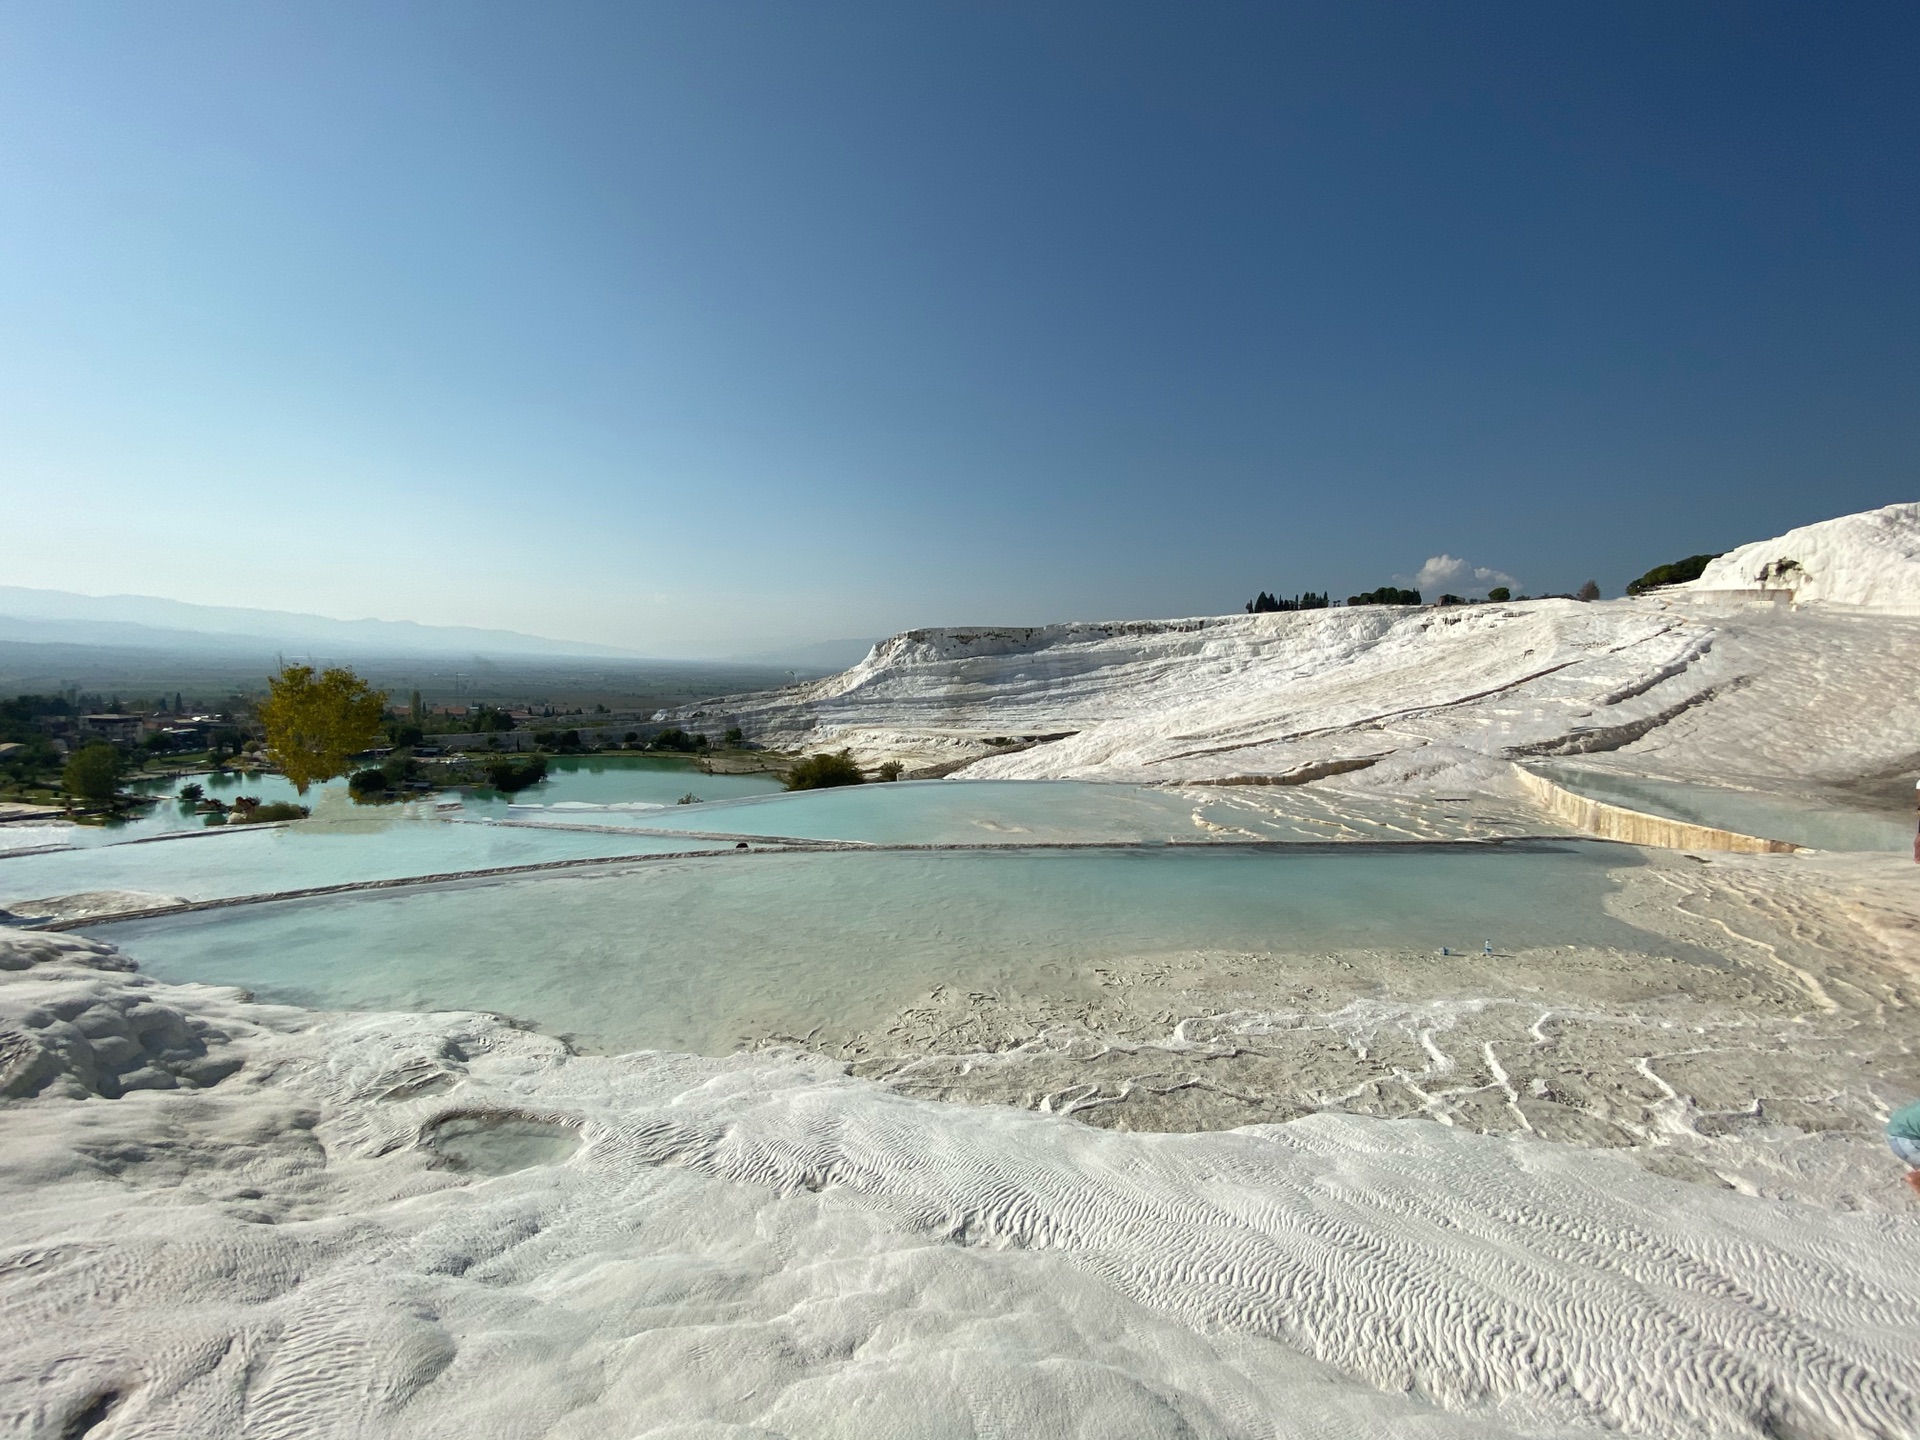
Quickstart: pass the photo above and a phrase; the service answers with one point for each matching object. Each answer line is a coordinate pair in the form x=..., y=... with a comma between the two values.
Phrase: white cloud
x=1448, y=574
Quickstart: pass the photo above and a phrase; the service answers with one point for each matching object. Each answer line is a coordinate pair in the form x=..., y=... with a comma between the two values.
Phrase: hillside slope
x=1681, y=684
x=1871, y=560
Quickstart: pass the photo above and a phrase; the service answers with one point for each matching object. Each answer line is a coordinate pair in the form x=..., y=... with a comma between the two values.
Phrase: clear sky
x=707, y=327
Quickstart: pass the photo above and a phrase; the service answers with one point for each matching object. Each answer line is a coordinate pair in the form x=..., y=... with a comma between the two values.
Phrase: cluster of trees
x=315, y=724
x=1385, y=595
x=94, y=768
x=387, y=780
x=1679, y=572
x=674, y=738
x=35, y=761
x=393, y=778
x=1263, y=603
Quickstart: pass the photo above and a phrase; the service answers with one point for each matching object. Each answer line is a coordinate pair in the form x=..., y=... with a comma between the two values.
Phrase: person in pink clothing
x=1903, y=1134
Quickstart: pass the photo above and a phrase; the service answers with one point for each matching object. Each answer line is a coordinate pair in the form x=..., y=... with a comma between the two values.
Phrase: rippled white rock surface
x=1404, y=700
x=443, y=1225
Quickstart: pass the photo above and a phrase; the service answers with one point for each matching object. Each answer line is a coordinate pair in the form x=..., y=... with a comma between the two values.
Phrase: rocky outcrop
x=1870, y=560
x=78, y=1026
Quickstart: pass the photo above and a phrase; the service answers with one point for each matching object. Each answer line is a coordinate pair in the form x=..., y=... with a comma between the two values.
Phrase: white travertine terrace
x=1415, y=699
x=223, y=1218
x=665, y=1245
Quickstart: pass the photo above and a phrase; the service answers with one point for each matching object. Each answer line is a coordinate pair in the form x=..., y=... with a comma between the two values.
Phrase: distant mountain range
x=148, y=622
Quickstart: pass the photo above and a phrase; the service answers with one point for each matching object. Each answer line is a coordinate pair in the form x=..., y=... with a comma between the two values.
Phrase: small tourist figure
x=1444, y=952
x=1903, y=1134
x=1489, y=948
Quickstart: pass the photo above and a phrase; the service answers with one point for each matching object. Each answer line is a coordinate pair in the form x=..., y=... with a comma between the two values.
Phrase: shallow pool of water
x=1771, y=816
x=500, y=1144
x=250, y=860
x=1029, y=812
x=169, y=816
x=571, y=780
x=695, y=954
x=624, y=780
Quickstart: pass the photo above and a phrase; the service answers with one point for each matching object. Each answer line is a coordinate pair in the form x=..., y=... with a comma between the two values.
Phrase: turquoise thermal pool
x=248, y=860
x=1823, y=827
x=699, y=954
x=571, y=780
x=703, y=953
x=625, y=780
x=1030, y=812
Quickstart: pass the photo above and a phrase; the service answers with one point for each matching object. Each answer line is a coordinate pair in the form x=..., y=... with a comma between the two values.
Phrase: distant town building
x=121, y=729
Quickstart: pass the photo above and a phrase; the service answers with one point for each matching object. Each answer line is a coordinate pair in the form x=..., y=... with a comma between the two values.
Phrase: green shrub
x=890, y=771
x=278, y=810
x=376, y=787
x=1678, y=573
x=510, y=777
x=819, y=772
x=1499, y=593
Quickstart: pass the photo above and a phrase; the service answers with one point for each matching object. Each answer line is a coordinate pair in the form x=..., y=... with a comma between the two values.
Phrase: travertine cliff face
x=1870, y=560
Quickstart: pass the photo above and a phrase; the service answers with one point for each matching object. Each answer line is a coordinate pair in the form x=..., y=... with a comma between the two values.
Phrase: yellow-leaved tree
x=315, y=725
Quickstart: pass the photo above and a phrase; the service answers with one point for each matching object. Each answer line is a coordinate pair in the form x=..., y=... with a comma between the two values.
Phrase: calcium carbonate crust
x=1870, y=561
x=327, y=1242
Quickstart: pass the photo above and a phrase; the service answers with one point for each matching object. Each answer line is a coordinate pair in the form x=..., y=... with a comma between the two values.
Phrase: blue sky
x=711, y=327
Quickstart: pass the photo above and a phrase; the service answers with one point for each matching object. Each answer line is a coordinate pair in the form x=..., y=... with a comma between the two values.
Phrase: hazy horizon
x=701, y=332
x=72, y=620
